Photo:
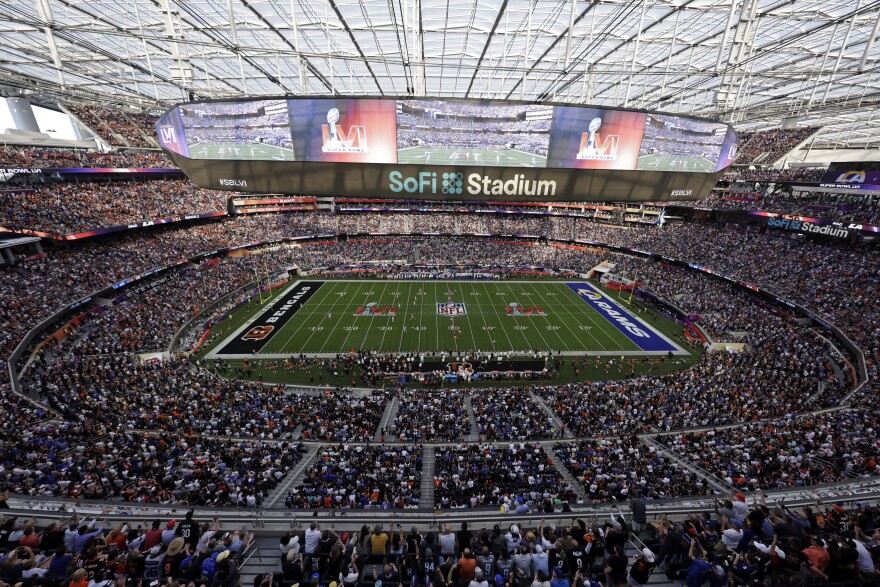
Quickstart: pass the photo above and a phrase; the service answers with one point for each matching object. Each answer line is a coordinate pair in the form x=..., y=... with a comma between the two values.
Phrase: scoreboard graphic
x=388, y=147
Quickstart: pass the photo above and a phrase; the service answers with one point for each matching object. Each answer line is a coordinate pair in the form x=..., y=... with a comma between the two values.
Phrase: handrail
x=53, y=508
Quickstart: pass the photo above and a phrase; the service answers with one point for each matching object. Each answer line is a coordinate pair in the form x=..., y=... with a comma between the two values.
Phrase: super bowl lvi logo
x=337, y=140
x=514, y=309
x=590, y=147
x=373, y=309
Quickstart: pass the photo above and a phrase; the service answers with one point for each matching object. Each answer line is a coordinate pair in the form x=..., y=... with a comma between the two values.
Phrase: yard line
x=587, y=312
x=386, y=325
x=403, y=324
x=577, y=309
x=541, y=334
x=342, y=314
x=436, y=319
x=421, y=309
x=564, y=320
x=500, y=324
x=370, y=327
x=319, y=307
x=306, y=319
x=528, y=343
x=489, y=330
x=468, y=315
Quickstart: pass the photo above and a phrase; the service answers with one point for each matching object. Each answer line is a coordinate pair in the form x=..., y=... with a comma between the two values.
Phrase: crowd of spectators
x=39, y=285
x=346, y=476
x=615, y=469
x=740, y=544
x=746, y=174
x=786, y=452
x=519, y=478
x=426, y=416
x=338, y=417
x=510, y=414
x=768, y=146
x=79, y=552
x=68, y=208
x=839, y=207
x=42, y=157
x=123, y=392
x=130, y=129
x=145, y=322
x=69, y=459
x=780, y=372
x=783, y=369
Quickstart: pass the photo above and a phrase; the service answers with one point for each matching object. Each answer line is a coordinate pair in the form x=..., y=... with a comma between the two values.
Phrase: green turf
x=246, y=151
x=669, y=163
x=572, y=369
x=458, y=156
x=327, y=323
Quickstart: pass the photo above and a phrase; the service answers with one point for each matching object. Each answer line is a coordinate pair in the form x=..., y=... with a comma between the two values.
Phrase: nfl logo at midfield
x=451, y=309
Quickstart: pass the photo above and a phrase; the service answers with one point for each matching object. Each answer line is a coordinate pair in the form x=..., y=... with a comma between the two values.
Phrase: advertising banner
x=863, y=175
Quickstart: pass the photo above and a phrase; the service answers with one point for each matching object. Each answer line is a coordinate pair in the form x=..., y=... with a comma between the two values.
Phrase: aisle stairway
x=554, y=419
x=293, y=478
x=474, y=434
x=387, y=418
x=426, y=494
x=566, y=474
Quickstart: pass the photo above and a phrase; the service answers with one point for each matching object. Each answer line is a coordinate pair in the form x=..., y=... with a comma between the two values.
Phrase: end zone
x=642, y=334
x=260, y=329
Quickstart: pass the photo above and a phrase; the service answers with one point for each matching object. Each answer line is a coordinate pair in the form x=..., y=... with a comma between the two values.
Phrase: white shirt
x=865, y=564
x=731, y=537
x=313, y=537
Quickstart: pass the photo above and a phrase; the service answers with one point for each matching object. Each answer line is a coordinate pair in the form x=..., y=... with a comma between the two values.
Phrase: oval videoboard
x=445, y=149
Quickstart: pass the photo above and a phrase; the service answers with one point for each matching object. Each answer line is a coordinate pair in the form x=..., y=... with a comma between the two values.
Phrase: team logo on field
x=592, y=295
x=514, y=309
x=451, y=309
x=373, y=309
x=258, y=333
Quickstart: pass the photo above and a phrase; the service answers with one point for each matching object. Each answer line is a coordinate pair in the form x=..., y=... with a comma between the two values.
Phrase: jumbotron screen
x=445, y=149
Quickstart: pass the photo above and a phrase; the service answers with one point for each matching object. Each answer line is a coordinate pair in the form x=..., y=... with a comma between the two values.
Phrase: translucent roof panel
x=753, y=63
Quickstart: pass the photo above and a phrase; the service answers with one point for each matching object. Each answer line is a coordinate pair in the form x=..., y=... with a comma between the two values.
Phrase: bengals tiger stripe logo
x=258, y=333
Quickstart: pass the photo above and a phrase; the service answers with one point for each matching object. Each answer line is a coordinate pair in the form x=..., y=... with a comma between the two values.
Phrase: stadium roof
x=752, y=63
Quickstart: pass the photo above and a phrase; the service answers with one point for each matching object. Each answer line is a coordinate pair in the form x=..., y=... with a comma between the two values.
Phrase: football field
x=254, y=152
x=469, y=156
x=668, y=163
x=325, y=318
